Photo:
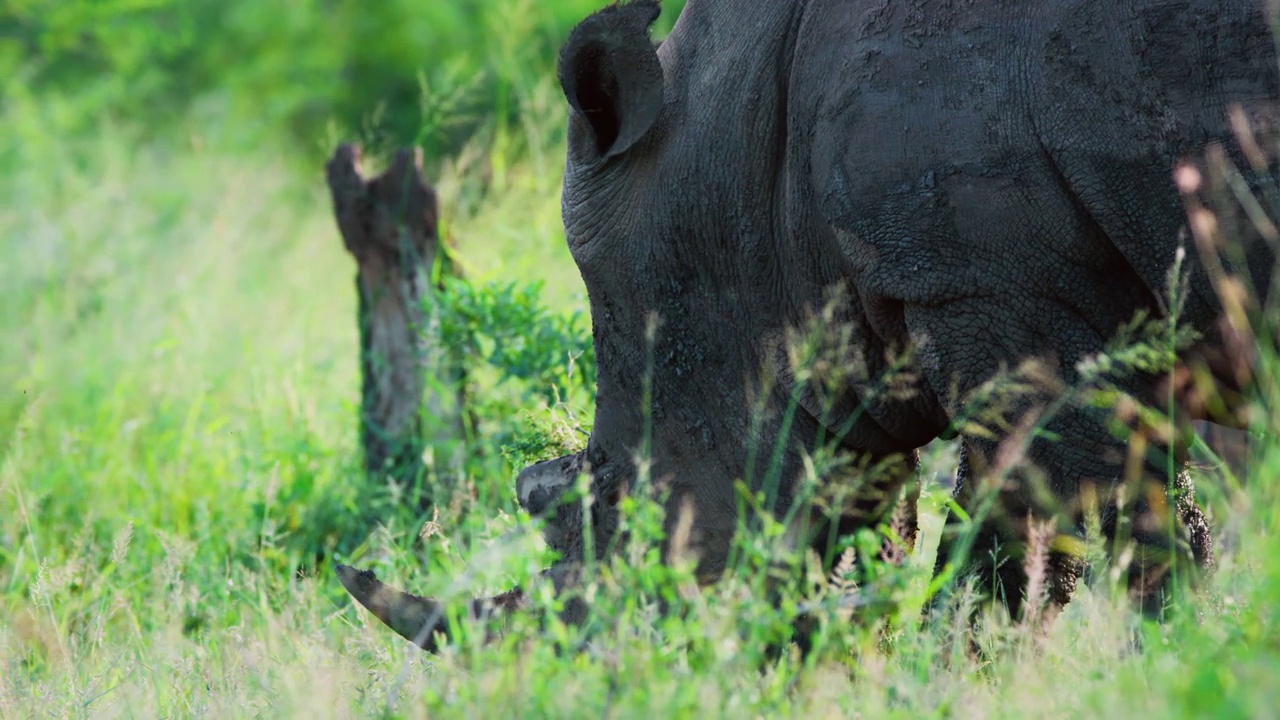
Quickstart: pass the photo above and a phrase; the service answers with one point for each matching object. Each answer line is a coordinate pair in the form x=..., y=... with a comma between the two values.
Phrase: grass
x=179, y=443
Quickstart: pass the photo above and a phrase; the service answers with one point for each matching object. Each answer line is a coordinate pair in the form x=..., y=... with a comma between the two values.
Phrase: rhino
x=961, y=187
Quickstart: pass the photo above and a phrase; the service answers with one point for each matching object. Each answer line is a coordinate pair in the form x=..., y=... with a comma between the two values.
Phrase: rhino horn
x=419, y=620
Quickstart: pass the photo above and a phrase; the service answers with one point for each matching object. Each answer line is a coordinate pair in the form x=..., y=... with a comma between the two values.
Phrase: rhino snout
x=539, y=486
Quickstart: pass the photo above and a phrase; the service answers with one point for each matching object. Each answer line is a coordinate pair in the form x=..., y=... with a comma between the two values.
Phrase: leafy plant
x=505, y=327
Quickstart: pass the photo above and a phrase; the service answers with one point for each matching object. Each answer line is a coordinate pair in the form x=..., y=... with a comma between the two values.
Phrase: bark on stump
x=388, y=224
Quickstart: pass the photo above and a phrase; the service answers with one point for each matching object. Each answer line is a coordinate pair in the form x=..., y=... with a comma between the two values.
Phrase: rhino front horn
x=419, y=620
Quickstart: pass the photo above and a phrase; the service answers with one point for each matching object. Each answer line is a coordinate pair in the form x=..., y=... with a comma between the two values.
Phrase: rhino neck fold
x=727, y=65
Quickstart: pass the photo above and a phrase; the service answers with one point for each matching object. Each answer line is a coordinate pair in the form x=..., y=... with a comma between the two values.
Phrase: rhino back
x=1012, y=159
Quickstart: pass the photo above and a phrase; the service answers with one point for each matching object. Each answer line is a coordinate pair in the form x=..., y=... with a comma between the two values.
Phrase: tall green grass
x=179, y=441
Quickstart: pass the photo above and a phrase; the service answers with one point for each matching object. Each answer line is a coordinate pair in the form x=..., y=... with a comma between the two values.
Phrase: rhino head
x=673, y=351
x=689, y=304
x=692, y=292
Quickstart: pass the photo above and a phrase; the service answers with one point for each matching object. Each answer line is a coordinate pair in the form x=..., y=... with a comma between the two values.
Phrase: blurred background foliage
x=295, y=71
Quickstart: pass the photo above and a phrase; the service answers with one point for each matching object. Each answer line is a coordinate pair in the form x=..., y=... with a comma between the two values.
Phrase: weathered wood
x=388, y=224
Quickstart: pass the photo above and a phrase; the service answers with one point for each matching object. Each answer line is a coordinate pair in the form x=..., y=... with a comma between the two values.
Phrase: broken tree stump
x=388, y=224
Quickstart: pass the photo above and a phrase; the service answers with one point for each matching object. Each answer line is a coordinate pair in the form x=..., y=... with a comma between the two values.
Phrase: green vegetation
x=252, y=74
x=178, y=458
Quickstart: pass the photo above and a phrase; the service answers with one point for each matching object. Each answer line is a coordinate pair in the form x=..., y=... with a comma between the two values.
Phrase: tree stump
x=388, y=224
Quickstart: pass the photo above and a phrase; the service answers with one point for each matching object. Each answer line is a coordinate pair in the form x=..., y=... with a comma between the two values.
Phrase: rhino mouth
x=543, y=490
x=540, y=486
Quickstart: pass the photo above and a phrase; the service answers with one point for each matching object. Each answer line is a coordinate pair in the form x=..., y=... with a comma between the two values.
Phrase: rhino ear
x=612, y=78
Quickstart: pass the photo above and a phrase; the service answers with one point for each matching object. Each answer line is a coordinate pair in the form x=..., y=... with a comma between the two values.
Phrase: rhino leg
x=1230, y=444
x=417, y=619
x=1073, y=469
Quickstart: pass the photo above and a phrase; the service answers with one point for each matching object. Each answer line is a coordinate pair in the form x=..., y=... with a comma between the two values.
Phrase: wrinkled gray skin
x=987, y=181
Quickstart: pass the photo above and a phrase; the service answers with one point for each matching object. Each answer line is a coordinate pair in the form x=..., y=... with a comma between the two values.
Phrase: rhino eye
x=614, y=497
